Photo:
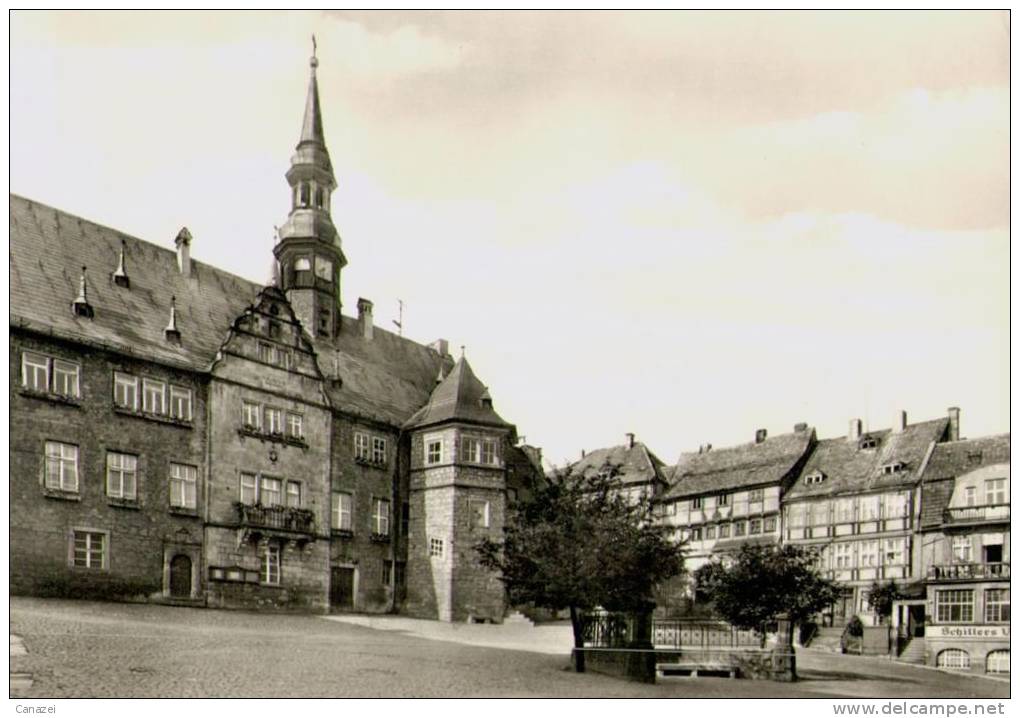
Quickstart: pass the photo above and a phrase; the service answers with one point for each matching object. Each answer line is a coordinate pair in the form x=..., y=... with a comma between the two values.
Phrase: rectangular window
x=248, y=489
x=770, y=524
x=995, y=492
x=61, y=466
x=65, y=378
x=997, y=605
x=294, y=426
x=121, y=475
x=125, y=391
x=796, y=515
x=844, y=555
x=869, y=508
x=269, y=492
x=954, y=606
x=488, y=452
x=739, y=528
x=756, y=496
x=470, y=449
x=696, y=534
x=153, y=396
x=184, y=486
x=180, y=403
x=270, y=572
x=274, y=421
x=381, y=517
x=724, y=531
x=361, y=444
x=267, y=353
x=894, y=552
x=970, y=496
x=723, y=499
x=89, y=549
x=378, y=450
x=844, y=511
x=479, y=511
x=433, y=451
x=820, y=513
x=342, y=511
x=868, y=557
x=754, y=527
x=710, y=533
x=35, y=372
x=696, y=503
x=895, y=505
x=962, y=549
x=436, y=547
x=252, y=415
x=294, y=494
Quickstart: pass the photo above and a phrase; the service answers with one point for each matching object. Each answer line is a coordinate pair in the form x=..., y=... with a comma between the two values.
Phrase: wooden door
x=341, y=587
x=180, y=576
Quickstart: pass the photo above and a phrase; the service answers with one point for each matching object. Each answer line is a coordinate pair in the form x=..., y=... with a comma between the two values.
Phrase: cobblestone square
x=79, y=649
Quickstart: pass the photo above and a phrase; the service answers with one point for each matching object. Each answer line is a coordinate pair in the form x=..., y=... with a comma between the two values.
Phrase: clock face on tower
x=323, y=268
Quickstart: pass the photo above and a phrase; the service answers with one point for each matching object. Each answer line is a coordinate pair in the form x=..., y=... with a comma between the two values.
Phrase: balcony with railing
x=976, y=514
x=276, y=521
x=969, y=572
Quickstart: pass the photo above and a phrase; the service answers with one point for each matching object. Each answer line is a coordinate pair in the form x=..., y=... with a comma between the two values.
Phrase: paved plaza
x=68, y=649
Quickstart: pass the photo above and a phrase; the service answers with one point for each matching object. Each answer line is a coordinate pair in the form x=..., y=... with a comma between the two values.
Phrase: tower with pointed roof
x=308, y=247
x=459, y=446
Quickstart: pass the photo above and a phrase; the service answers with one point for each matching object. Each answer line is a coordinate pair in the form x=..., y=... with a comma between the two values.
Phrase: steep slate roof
x=848, y=469
x=460, y=396
x=47, y=250
x=637, y=463
x=953, y=459
x=386, y=378
x=737, y=467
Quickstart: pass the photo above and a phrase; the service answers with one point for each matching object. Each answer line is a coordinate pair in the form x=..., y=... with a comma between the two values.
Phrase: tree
x=761, y=583
x=577, y=543
x=881, y=597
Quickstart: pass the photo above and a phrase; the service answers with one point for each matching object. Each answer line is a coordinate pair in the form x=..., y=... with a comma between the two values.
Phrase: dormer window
x=815, y=477
x=869, y=442
x=895, y=467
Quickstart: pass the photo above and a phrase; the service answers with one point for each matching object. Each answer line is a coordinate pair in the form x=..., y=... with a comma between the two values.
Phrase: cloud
x=403, y=50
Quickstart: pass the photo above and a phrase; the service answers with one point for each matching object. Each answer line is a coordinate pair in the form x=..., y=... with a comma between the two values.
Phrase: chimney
x=759, y=435
x=365, y=317
x=582, y=453
x=708, y=447
x=440, y=347
x=630, y=439
x=183, y=242
x=954, y=423
x=900, y=423
x=855, y=430
x=800, y=426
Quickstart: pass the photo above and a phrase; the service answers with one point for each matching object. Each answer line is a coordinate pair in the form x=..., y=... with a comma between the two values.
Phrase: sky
x=683, y=225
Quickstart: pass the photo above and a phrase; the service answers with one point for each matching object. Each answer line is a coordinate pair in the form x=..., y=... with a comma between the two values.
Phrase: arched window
x=302, y=264
x=997, y=662
x=318, y=197
x=305, y=194
x=953, y=658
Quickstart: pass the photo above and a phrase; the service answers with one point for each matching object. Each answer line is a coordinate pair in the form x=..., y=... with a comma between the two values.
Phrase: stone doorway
x=180, y=576
x=341, y=588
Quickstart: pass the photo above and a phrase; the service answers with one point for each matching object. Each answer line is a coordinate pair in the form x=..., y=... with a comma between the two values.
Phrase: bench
x=695, y=669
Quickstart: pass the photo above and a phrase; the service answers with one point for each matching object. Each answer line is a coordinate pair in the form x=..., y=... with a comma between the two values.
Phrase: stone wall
x=42, y=521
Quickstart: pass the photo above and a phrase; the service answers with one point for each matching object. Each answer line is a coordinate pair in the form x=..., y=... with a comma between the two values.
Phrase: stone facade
x=184, y=435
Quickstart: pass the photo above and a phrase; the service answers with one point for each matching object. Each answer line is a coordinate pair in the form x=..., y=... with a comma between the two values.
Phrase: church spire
x=311, y=128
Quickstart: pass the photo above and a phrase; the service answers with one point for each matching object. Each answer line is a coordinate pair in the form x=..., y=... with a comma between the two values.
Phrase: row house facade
x=963, y=532
x=181, y=433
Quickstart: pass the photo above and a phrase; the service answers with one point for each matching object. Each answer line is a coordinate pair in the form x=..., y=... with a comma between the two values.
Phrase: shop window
x=997, y=661
x=954, y=659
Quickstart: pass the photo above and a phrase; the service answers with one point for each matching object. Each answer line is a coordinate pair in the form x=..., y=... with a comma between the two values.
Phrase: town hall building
x=185, y=435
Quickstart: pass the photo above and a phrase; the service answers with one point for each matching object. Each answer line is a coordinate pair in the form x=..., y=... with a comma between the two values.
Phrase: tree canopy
x=881, y=597
x=578, y=542
x=754, y=587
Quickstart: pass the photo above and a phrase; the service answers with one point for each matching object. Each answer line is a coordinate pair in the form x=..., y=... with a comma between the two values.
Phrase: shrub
x=96, y=588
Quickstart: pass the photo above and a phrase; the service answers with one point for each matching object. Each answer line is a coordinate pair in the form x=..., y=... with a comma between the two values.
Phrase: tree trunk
x=575, y=623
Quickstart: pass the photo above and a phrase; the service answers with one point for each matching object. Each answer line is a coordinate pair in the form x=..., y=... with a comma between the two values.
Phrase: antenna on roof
x=400, y=322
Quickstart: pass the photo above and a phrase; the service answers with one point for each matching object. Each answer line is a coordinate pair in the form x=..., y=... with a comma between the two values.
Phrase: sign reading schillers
x=967, y=632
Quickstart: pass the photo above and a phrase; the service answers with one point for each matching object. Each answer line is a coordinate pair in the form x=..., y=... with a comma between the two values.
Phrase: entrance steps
x=913, y=652
x=828, y=638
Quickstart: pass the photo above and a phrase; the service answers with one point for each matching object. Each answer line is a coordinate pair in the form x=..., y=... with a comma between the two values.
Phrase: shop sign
x=967, y=632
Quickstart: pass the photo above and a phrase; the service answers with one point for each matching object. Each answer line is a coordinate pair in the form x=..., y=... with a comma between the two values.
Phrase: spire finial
x=461, y=351
x=314, y=62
